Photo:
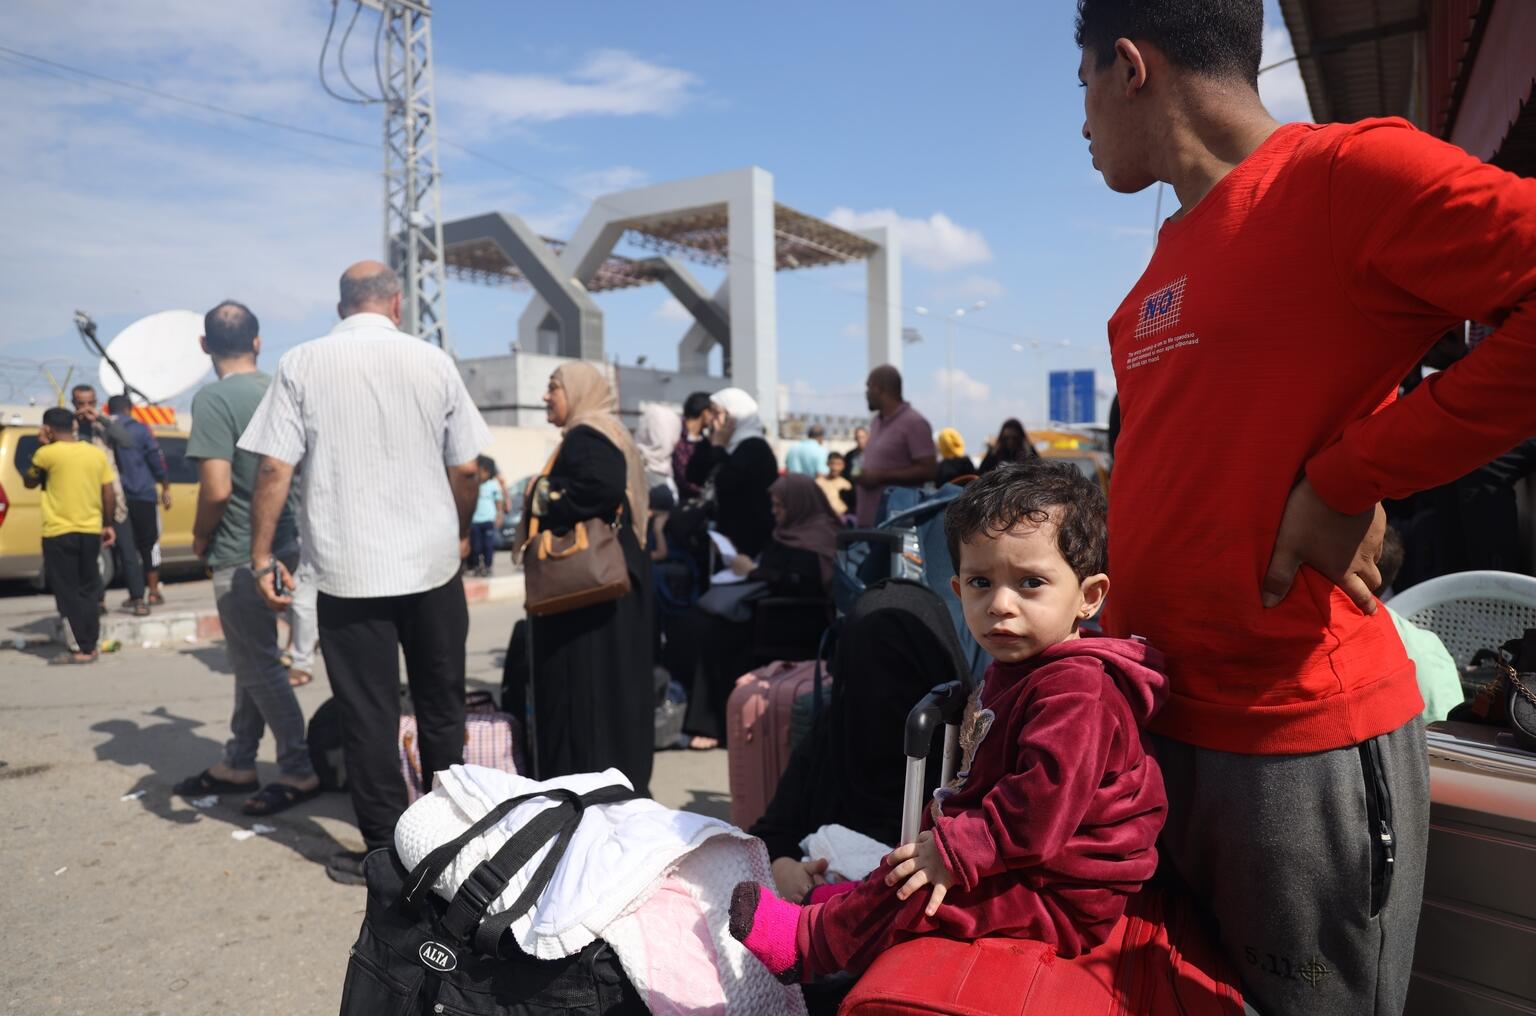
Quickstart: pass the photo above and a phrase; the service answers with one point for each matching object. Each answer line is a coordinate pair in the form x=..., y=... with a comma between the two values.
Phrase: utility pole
x=413, y=231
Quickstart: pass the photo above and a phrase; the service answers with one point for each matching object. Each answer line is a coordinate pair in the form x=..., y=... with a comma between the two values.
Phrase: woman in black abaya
x=594, y=696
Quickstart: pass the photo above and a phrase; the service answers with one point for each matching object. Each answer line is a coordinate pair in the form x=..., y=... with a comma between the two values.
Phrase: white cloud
x=937, y=242
x=965, y=387
x=855, y=330
x=1283, y=92
x=673, y=312
x=609, y=82
x=597, y=182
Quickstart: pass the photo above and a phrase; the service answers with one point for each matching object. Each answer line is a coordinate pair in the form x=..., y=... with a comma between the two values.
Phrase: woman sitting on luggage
x=712, y=646
x=743, y=466
x=594, y=695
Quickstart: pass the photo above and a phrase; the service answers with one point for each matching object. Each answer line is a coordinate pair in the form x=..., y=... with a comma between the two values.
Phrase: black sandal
x=205, y=783
x=276, y=797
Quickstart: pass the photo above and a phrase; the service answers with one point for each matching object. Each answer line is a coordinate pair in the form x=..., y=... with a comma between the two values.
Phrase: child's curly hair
x=1035, y=492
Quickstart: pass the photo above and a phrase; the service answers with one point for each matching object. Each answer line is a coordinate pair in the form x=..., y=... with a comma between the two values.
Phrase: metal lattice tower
x=413, y=232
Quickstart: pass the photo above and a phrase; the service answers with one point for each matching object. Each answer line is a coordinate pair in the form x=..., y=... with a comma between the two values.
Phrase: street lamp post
x=949, y=353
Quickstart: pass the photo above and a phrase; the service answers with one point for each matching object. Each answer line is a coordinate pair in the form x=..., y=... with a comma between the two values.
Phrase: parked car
x=21, y=513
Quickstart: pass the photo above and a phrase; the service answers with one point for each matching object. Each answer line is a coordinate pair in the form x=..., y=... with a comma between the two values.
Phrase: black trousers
x=145, y=516
x=73, y=574
x=361, y=640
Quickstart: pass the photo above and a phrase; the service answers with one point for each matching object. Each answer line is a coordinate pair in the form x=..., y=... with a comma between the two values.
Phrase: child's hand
x=920, y=864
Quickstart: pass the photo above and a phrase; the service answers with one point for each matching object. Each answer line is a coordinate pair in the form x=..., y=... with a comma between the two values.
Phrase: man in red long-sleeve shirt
x=1306, y=270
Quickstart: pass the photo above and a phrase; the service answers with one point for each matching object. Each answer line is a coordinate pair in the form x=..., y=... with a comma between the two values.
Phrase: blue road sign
x=1072, y=396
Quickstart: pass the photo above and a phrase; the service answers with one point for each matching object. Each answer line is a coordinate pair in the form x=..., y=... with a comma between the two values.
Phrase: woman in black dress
x=594, y=697
x=713, y=651
x=743, y=466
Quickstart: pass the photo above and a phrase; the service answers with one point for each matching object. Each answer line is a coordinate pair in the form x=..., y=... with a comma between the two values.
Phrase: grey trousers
x=1312, y=866
x=263, y=696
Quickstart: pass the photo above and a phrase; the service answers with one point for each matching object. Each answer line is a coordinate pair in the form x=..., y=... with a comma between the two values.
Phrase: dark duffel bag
x=420, y=954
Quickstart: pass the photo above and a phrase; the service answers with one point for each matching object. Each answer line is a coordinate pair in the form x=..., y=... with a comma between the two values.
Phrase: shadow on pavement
x=213, y=657
x=172, y=747
x=709, y=802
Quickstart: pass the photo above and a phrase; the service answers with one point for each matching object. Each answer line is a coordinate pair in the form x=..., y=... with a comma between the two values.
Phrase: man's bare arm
x=108, y=513
x=213, y=491
x=464, y=481
x=273, y=479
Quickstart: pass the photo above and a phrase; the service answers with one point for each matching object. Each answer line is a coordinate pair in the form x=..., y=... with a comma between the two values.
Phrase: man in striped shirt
x=364, y=402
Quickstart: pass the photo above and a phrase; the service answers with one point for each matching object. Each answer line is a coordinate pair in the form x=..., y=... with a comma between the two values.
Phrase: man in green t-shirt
x=221, y=535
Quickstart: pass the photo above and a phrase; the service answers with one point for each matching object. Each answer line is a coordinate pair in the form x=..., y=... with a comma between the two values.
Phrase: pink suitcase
x=757, y=733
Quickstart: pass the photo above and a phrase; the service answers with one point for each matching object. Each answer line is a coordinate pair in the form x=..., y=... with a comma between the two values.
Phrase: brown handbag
x=583, y=568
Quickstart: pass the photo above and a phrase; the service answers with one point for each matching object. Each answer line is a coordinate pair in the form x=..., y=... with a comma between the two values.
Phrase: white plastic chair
x=1471, y=610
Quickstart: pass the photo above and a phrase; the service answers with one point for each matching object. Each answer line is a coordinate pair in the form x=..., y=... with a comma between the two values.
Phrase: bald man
x=900, y=452
x=367, y=409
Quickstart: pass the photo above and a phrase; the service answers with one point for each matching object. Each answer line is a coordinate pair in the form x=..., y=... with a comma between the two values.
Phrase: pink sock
x=767, y=926
x=830, y=890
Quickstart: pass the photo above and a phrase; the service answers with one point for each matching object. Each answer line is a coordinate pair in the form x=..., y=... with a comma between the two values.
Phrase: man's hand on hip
x=1342, y=548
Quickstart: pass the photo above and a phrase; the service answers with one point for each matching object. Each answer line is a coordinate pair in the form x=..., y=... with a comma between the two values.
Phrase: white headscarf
x=743, y=409
x=658, y=433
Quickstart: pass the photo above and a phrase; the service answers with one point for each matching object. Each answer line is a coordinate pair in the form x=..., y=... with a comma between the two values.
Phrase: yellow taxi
x=21, y=514
x=1086, y=448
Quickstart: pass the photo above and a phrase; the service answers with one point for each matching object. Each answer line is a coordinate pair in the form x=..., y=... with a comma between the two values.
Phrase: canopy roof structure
x=726, y=220
x=699, y=235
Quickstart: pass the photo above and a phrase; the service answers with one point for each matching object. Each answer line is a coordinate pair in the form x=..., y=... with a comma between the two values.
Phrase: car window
x=26, y=445
x=175, y=451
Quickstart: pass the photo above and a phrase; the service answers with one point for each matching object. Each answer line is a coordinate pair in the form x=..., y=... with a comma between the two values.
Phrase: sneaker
x=137, y=607
x=346, y=867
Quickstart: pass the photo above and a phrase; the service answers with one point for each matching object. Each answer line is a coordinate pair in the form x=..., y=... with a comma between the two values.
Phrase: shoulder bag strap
x=533, y=520
x=511, y=858
x=421, y=879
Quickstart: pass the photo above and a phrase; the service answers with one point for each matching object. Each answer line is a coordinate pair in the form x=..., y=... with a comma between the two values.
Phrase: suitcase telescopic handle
x=944, y=705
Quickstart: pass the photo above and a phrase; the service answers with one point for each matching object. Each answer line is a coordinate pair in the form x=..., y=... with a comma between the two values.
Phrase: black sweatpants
x=361, y=640
x=145, y=516
x=73, y=573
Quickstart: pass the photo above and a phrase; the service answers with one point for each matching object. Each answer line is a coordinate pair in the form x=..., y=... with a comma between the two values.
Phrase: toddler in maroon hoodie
x=1051, y=821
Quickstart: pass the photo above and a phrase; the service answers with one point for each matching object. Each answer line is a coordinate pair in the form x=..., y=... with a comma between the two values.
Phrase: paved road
x=148, y=905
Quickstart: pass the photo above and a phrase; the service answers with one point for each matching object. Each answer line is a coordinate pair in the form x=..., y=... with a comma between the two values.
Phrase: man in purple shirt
x=900, y=452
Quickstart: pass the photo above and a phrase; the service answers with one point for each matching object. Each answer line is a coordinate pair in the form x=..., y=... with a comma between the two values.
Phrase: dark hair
x=60, y=419
x=1034, y=492
x=816, y=430
x=839, y=456
x=486, y=463
x=230, y=329
x=1217, y=38
x=695, y=405
x=81, y=388
x=119, y=404
x=380, y=285
x=1391, y=560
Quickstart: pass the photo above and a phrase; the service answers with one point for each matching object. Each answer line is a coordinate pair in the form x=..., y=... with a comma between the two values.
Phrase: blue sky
x=958, y=123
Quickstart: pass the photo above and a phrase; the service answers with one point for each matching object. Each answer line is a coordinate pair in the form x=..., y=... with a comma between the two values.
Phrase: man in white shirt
x=365, y=407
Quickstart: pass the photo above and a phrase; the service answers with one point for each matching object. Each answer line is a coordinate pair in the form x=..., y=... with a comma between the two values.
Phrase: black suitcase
x=418, y=954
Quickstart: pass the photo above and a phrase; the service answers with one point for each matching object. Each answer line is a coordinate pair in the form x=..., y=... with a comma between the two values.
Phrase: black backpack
x=419, y=954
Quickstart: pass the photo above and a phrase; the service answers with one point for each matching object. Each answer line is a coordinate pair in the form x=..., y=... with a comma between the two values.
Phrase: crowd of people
x=1261, y=741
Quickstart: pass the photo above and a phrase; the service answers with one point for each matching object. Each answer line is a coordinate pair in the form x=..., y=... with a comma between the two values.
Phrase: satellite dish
x=159, y=355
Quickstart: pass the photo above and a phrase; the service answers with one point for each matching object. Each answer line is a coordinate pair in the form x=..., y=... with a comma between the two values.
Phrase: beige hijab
x=593, y=404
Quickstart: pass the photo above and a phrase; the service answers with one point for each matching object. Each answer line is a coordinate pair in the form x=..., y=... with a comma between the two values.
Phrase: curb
x=203, y=625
